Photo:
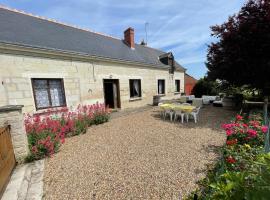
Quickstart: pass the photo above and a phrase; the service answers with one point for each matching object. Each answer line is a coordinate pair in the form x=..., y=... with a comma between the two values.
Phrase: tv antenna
x=145, y=28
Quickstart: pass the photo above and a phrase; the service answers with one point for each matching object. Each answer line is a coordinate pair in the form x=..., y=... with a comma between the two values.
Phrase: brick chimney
x=129, y=37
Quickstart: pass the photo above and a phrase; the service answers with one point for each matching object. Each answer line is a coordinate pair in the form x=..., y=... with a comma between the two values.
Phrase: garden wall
x=12, y=115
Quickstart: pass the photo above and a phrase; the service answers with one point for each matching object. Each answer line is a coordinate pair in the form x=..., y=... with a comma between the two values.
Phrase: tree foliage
x=241, y=54
x=204, y=86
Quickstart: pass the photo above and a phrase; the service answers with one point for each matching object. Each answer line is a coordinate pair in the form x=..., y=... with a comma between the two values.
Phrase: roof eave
x=69, y=54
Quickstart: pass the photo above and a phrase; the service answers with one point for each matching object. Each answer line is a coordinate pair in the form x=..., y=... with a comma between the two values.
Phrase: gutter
x=8, y=48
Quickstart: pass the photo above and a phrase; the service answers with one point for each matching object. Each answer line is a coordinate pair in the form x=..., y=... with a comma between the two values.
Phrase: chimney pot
x=129, y=37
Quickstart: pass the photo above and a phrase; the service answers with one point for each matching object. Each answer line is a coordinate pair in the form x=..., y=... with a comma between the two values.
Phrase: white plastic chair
x=178, y=113
x=168, y=111
x=194, y=114
x=162, y=110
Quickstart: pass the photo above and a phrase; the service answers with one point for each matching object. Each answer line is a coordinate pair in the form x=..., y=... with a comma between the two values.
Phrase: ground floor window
x=48, y=93
x=135, y=88
x=177, y=86
x=161, y=86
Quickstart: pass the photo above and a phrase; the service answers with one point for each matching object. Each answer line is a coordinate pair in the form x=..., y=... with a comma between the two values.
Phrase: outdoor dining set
x=177, y=110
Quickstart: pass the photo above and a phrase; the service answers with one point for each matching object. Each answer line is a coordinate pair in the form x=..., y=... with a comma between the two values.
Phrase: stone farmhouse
x=46, y=64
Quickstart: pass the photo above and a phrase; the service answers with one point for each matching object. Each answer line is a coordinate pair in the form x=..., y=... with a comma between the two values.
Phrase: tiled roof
x=27, y=30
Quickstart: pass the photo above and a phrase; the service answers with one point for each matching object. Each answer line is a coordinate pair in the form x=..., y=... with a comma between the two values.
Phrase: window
x=135, y=88
x=48, y=93
x=161, y=86
x=177, y=86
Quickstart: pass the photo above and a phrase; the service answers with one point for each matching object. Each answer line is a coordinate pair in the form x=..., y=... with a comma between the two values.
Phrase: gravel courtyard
x=136, y=156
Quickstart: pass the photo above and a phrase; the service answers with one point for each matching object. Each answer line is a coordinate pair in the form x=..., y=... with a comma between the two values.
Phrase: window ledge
x=135, y=98
x=175, y=93
x=52, y=110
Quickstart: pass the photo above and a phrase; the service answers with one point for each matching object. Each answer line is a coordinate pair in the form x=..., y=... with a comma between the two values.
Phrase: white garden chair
x=194, y=114
x=179, y=113
x=162, y=110
x=168, y=112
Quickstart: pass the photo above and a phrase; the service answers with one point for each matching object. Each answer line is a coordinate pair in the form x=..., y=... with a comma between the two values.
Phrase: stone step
x=26, y=182
x=35, y=190
x=16, y=182
x=22, y=192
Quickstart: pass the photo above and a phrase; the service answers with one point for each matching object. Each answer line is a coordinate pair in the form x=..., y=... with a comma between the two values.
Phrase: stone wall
x=83, y=81
x=12, y=115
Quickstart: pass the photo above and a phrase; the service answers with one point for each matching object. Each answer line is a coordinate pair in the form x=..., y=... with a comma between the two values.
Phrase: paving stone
x=26, y=182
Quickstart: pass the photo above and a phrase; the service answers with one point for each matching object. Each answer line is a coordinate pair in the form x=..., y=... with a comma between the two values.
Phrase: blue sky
x=180, y=26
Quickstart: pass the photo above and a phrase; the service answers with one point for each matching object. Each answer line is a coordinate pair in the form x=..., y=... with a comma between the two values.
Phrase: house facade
x=46, y=64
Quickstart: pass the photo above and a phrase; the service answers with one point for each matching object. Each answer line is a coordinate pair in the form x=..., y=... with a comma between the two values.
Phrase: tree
x=205, y=87
x=241, y=54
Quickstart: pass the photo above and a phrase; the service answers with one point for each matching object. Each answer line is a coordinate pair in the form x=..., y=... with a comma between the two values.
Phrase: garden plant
x=243, y=171
x=47, y=131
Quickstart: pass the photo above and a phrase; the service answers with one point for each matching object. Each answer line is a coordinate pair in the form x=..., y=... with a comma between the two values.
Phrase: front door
x=111, y=93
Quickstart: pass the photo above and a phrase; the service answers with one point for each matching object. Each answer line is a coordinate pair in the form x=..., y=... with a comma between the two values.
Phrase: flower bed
x=243, y=171
x=46, y=132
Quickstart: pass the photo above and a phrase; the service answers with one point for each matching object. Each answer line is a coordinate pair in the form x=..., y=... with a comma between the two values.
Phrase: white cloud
x=181, y=26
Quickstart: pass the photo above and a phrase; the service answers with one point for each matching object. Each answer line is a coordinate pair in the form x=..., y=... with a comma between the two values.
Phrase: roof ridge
x=156, y=49
x=56, y=22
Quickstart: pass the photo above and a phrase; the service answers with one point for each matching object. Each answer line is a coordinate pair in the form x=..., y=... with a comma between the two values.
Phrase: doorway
x=111, y=93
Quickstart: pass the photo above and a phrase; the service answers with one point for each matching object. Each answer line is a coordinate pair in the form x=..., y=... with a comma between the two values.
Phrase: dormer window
x=168, y=59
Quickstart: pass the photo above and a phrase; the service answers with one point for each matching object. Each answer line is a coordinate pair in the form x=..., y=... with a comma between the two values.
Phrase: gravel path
x=137, y=156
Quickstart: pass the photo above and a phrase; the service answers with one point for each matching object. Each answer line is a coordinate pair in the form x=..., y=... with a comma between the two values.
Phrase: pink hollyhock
x=264, y=129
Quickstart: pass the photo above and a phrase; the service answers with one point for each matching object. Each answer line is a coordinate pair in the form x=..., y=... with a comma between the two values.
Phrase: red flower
x=252, y=133
x=264, y=129
x=229, y=132
x=34, y=149
x=245, y=125
x=239, y=117
x=230, y=160
x=231, y=142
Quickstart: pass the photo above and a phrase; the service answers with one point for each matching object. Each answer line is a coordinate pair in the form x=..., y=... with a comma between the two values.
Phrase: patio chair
x=162, y=110
x=178, y=113
x=194, y=114
x=168, y=111
x=197, y=102
x=183, y=99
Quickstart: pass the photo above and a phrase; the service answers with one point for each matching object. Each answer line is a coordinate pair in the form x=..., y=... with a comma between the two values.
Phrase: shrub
x=242, y=131
x=243, y=172
x=205, y=87
x=46, y=132
x=44, y=136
